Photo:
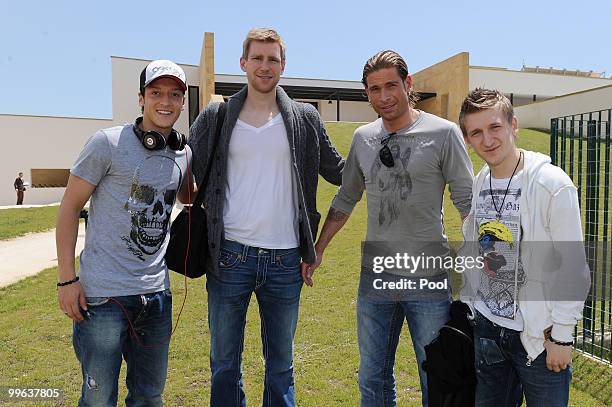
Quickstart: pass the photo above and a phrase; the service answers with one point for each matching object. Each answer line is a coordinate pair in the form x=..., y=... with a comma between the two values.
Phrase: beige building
x=45, y=147
x=537, y=115
x=451, y=80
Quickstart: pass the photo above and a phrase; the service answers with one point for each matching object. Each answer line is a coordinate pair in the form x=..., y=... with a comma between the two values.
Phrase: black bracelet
x=74, y=280
x=556, y=342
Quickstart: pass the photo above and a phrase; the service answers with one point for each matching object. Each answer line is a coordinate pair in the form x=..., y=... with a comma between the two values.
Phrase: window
x=444, y=106
x=193, y=99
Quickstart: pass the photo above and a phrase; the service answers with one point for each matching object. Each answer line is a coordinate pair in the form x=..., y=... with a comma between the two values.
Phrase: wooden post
x=207, y=69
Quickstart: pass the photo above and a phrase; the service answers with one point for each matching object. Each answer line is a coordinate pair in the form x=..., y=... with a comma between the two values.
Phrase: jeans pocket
x=227, y=258
x=96, y=301
x=490, y=351
x=289, y=261
x=167, y=296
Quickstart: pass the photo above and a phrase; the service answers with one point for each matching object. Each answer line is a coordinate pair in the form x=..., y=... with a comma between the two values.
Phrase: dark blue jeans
x=274, y=276
x=504, y=373
x=105, y=337
x=379, y=324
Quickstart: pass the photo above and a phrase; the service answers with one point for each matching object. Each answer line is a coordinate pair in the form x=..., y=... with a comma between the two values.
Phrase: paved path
x=27, y=206
x=30, y=254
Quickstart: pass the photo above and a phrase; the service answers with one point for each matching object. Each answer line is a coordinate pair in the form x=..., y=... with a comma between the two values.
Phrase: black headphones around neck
x=153, y=140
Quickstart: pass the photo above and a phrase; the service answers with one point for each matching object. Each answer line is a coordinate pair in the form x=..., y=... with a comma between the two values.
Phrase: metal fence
x=580, y=145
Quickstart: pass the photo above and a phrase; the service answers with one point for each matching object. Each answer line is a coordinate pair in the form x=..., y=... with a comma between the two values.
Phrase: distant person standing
x=20, y=188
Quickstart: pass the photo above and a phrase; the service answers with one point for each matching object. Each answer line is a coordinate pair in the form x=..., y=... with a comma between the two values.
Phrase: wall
x=449, y=79
x=349, y=111
x=520, y=100
x=538, y=115
x=40, y=142
x=526, y=84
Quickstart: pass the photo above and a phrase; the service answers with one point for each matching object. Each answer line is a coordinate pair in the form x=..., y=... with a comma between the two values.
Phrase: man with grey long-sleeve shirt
x=403, y=161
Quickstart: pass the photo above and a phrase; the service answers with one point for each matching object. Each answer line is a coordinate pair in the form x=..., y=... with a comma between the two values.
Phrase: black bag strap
x=217, y=135
x=460, y=332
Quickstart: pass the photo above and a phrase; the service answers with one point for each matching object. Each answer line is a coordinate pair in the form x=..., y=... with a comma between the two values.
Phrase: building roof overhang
x=301, y=88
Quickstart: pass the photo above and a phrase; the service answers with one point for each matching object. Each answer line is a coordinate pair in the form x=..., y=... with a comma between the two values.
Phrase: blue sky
x=55, y=55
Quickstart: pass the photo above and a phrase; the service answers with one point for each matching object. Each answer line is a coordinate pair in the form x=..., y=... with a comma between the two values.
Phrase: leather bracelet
x=556, y=342
x=74, y=280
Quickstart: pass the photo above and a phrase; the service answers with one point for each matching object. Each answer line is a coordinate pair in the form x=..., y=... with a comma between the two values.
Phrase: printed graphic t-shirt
x=129, y=212
x=499, y=241
x=405, y=201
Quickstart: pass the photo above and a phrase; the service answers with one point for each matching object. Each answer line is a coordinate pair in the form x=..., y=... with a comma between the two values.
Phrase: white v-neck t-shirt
x=261, y=195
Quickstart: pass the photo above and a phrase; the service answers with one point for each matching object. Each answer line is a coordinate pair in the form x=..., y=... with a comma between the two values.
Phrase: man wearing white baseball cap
x=120, y=302
x=162, y=68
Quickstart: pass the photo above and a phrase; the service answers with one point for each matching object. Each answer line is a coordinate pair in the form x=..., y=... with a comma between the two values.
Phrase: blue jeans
x=379, y=324
x=503, y=372
x=274, y=276
x=105, y=337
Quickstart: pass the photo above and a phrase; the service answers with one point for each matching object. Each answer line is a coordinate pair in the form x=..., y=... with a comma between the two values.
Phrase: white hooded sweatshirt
x=550, y=214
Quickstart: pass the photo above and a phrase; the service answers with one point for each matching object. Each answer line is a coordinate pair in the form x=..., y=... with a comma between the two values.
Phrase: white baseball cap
x=162, y=68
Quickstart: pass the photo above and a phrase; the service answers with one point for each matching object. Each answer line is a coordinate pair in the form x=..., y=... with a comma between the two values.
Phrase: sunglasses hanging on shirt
x=385, y=154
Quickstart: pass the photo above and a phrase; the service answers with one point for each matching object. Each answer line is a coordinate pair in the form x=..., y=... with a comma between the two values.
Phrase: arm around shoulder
x=331, y=163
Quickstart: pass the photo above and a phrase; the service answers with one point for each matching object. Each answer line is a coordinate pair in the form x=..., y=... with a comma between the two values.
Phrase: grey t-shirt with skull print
x=129, y=212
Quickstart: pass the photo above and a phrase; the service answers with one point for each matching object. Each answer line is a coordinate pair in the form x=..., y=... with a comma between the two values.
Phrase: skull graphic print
x=153, y=191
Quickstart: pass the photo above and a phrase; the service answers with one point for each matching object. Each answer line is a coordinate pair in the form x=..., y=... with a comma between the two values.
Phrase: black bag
x=449, y=364
x=196, y=242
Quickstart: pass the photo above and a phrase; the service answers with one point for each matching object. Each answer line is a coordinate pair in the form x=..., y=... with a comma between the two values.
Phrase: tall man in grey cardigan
x=403, y=161
x=262, y=217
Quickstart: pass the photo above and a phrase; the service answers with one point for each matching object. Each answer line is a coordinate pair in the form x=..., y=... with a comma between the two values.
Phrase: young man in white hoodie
x=528, y=296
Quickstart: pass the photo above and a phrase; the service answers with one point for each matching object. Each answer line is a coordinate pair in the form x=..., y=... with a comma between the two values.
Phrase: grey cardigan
x=312, y=152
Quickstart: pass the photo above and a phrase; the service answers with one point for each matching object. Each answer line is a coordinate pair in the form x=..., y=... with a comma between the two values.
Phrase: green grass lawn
x=36, y=350
x=16, y=222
